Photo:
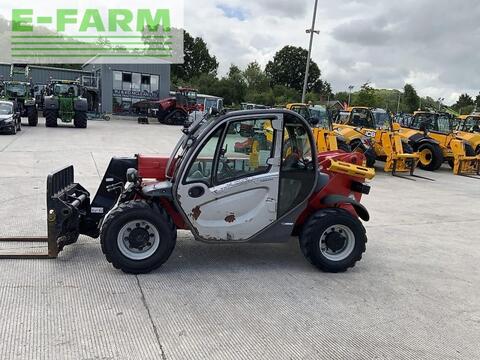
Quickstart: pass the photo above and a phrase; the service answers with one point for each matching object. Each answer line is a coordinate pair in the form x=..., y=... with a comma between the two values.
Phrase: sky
x=428, y=43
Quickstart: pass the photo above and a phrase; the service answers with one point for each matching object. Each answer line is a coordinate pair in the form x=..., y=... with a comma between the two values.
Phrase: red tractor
x=175, y=110
x=280, y=189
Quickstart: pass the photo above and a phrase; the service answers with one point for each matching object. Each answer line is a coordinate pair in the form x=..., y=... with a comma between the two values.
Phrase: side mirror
x=423, y=127
x=212, y=111
x=132, y=175
x=314, y=120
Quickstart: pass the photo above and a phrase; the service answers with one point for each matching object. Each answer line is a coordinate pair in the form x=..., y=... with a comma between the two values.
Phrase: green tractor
x=64, y=100
x=21, y=93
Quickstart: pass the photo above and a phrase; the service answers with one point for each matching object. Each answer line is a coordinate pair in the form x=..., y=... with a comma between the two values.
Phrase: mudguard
x=50, y=103
x=80, y=104
x=417, y=139
x=361, y=210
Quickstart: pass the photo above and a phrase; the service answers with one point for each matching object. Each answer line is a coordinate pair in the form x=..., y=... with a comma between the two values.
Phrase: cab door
x=228, y=191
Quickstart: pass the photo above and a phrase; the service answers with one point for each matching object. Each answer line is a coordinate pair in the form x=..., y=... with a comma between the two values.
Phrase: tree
x=366, y=96
x=411, y=100
x=255, y=77
x=197, y=60
x=288, y=69
x=237, y=86
x=477, y=101
x=342, y=96
x=464, y=102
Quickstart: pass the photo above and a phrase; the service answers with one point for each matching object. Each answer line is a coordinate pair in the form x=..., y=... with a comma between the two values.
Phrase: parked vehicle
x=65, y=101
x=220, y=196
x=10, y=120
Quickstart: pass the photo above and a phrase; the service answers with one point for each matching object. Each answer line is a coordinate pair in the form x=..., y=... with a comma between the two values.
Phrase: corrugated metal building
x=112, y=88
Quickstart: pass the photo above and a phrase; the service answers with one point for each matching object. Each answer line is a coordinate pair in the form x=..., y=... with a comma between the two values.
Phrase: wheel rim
x=426, y=156
x=337, y=242
x=138, y=240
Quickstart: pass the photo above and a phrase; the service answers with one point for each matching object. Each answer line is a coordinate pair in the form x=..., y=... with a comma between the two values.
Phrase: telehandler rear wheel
x=333, y=240
x=137, y=238
x=431, y=157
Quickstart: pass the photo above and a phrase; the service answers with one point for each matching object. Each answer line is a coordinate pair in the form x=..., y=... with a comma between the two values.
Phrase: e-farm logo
x=71, y=35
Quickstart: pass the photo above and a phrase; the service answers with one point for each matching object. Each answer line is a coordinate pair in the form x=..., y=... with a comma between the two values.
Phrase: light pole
x=440, y=103
x=350, y=88
x=399, y=98
x=310, y=31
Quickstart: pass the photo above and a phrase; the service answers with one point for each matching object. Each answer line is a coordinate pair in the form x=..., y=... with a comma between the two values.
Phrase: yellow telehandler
x=454, y=147
x=326, y=138
x=373, y=132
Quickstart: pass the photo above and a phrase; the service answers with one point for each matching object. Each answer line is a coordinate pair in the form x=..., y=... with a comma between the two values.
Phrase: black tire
x=468, y=152
x=407, y=149
x=80, y=120
x=370, y=156
x=32, y=115
x=315, y=229
x=132, y=211
x=13, y=130
x=176, y=117
x=342, y=145
x=477, y=150
x=434, y=159
x=50, y=118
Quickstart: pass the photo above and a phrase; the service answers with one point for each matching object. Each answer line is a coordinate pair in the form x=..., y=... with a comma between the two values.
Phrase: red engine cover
x=152, y=166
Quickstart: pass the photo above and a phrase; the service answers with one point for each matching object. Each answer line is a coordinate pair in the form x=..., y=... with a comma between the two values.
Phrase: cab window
x=201, y=168
x=444, y=124
x=245, y=150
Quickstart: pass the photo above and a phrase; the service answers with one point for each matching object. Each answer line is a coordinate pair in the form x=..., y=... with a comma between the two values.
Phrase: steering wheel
x=226, y=170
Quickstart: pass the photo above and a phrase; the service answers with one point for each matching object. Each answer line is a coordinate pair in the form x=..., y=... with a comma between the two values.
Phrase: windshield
x=303, y=111
x=211, y=103
x=427, y=118
x=16, y=89
x=472, y=124
x=382, y=120
x=343, y=117
x=66, y=89
x=6, y=109
x=321, y=114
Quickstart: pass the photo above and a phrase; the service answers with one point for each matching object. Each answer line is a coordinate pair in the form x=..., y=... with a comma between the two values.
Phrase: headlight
x=8, y=121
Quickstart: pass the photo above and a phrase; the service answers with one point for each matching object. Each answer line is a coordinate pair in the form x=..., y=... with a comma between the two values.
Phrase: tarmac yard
x=414, y=295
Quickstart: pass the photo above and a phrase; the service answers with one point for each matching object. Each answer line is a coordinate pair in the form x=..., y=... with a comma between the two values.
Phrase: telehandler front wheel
x=431, y=157
x=137, y=238
x=333, y=240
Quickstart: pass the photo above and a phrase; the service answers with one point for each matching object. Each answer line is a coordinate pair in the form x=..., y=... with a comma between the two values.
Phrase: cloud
x=431, y=44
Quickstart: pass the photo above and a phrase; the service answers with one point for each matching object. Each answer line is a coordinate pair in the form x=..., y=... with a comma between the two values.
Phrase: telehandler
x=326, y=138
x=220, y=196
x=382, y=141
x=467, y=127
x=456, y=150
